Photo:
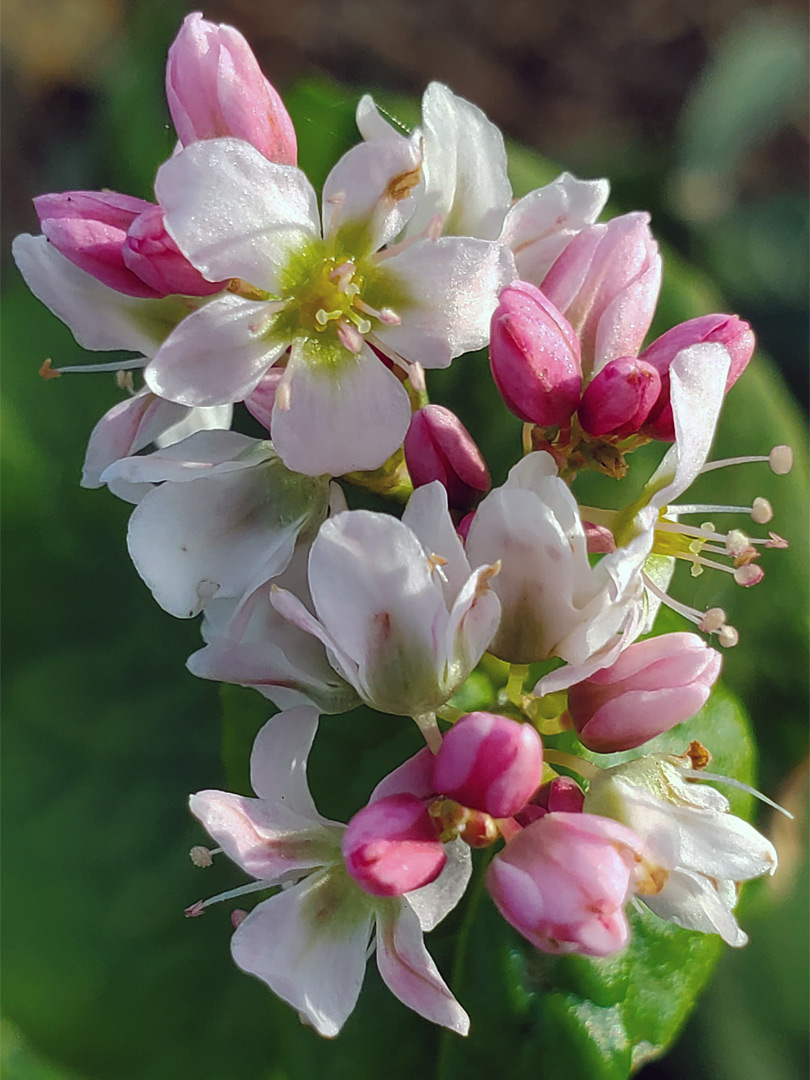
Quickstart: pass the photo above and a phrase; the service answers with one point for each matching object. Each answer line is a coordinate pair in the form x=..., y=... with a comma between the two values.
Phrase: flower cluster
x=237, y=285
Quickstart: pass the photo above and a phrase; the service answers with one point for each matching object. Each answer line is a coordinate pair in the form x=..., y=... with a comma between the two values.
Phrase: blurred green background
x=696, y=112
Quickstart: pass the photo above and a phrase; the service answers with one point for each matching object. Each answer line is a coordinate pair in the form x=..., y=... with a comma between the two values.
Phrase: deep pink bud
x=606, y=283
x=439, y=447
x=89, y=228
x=654, y=685
x=564, y=880
x=150, y=252
x=391, y=847
x=489, y=763
x=733, y=333
x=215, y=87
x=259, y=402
x=534, y=356
x=560, y=795
x=619, y=398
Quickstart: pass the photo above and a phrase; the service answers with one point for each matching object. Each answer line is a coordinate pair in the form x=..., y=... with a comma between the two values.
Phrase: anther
x=238, y=916
x=350, y=337
x=776, y=541
x=761, y=511
x=47, y=371
x=712, y=620
x=201, y=856
x=748, y=575
x=781, y=460
x=728, y=637
x=323, y=317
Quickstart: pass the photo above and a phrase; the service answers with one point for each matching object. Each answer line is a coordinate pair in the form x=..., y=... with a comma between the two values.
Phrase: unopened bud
x=489, y=763
x=150, y=252
x=735, y=335
x=654, y=685
x=439, y=447
x=260, y=401
x=619, y=398
x=534, y=356
x=390, y=846
x=560, y=795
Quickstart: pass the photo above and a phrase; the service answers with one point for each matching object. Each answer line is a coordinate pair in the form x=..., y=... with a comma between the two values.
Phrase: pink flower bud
x=215, y=87
x=489, y=763
x=654, y=685
x=619, y=398
x=89, y=228
x=259, y=402
x=606, y=283
x=564, y=880
x=560, y=795
x=150, y=252
x=439, y=447
x=727, y=330
x=391, y=847
x=534, y=356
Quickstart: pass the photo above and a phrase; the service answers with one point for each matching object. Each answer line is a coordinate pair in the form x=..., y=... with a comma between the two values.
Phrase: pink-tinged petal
x=369, y=196
x=233, y=213
x=308, y=943
x=409, y=972
x=473, y=621
x=218, y=536
x=99, y=317
x=339, y=418
x=697, y=380
x=150, y=253
x=452, y=285
x=371, y=123
x=215, y=356
x=412, y=777
x=465, y=167
x=291, y=608
x=278, y=761
x=215, y=87
x=201, y=454
x=539, y=226
x=434, y=901
x=625, y=321
x=126, y=428
x=426, y=515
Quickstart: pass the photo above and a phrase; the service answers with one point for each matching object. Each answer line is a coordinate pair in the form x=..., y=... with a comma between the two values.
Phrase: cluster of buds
x=235, y=287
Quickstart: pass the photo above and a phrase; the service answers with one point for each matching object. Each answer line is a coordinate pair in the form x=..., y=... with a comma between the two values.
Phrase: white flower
x=696, y=850
x=309, y=942
x=326, y=297
x=400, y=614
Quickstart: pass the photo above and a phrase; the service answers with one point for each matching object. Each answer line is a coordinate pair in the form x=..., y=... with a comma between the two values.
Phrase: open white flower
x=401, y=615
x=327, y=296
x=696, y=850
x=309, y=942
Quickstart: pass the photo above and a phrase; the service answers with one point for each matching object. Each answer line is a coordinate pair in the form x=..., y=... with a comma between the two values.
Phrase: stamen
x=342, y=275
x=246, y=290
x=728, y=637
x=432, y=231
x=748, y=575
x=194, y=910
x=703, y=775
x=349, y=337
x=123, y=380
x=712, y=621
x=202, y=856
x=761, y=511
x=116, y=365
x=780, y=460
x=775, y=541
x=47, y=371
x=283, y=392
x=363, y=325
x=435, y=563
x=384, y=315
x=323, y=317
x=269, y=312
x=713, y=508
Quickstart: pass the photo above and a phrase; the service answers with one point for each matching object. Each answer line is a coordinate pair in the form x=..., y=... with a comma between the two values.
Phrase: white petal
x=233, y=213
x=213, y=418
x=427, y=516
x=99, y=317
x=339, y=418
x=452, y=285
x=216, y=356
x=541, y=224
x=722, y=845
x=370, y=194
x=278, y=761
x=434, y=901
x=126, y=428
x=465, y=167
x=696, y=903
x=202, y=454
x=409, y=972
x=473, y=621
x=370, y=121
x=308, y=943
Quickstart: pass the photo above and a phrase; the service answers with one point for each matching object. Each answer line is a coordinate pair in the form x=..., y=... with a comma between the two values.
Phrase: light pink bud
x=89, y=228
x=150, y=252
x=619, y=398
x=391, y=847
x=606, y=283
x=534, y=356
x=654, y=685
x=733, y=333
x=259, y=402
x=489, y=763
x=564, y=880
x=439, y=447
x=215, y=87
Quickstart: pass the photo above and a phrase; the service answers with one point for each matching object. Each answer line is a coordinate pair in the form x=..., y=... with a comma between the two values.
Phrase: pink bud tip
x=619, y=398
x=215, y=87
x=654, y=685
x=490, y=763
x=734, y=334
x=390, y=847
x=439, y=447
x=150, y=252
x=564, y=880
x=534, y=356
x=259, y=402
x=238, y=916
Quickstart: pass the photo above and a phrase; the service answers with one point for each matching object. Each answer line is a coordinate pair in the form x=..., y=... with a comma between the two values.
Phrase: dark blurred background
x=697, y=111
